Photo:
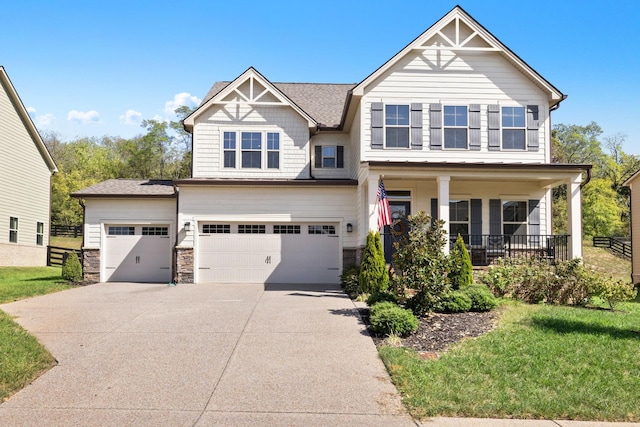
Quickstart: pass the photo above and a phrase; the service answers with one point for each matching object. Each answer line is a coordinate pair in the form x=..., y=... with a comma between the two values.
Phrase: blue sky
x=98, y=68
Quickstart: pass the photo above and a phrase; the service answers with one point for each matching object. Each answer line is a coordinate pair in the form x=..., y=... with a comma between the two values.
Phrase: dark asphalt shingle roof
x=129, y=187
x=322, y=101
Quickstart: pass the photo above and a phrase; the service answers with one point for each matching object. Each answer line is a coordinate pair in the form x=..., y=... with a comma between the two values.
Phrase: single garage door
x=268, y=253
x=136, y=253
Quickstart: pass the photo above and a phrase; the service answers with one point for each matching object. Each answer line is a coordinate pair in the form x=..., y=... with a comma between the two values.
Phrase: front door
x=399, y=213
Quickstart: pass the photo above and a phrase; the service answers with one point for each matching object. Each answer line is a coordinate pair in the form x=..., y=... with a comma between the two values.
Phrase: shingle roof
x=130, y=188
x=322, y=101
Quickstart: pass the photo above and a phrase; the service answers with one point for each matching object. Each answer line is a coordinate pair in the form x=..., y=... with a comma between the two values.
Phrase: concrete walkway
x=201, y=355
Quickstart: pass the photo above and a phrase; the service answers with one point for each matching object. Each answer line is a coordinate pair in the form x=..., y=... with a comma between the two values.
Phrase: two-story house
x=25, y=173
x=285, y=175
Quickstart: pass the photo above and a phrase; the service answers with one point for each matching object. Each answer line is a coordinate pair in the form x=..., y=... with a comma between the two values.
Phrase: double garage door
x=135, y=253
x=268, y=253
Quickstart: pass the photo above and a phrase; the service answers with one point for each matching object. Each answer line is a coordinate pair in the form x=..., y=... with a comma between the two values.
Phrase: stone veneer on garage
x=91, y=265
x=184, y=265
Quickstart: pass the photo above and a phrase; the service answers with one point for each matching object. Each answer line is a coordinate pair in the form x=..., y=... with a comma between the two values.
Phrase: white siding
x=635, y=230
x=465, y=78
x=208, y=142
x=26, y=192
x=99, y=212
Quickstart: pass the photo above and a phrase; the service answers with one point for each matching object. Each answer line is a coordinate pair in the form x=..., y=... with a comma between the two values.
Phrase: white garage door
x=137, y=254
x=268, y=253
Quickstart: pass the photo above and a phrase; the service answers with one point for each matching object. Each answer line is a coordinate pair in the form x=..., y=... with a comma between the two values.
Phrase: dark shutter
x=340, y=156
x=495, y=216
x=534, y=222
x=434, y=210
x=377, y=125
x=493, y=116
x=474, y=126
x=435, y=126
x=533, y=126
x=416, y=126
x=476, y=221
x=318, y=157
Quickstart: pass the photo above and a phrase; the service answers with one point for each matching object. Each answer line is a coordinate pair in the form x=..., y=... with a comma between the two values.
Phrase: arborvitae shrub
x=460, y=267
x=71, y=268
x=374, y=276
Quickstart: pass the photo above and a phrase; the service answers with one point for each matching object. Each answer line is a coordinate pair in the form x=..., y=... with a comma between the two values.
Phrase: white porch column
x=574, y=213
x=443, y=206
x=372, y=193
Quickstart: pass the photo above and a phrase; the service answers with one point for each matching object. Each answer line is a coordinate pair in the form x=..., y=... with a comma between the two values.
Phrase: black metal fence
x=484, y=248
x=57, y=255
x=620, y=246
x=66, y=230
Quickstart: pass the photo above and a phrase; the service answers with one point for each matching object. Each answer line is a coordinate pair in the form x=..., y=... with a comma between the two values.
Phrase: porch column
x=443, y=206
x=372, y=193
x=574, y=213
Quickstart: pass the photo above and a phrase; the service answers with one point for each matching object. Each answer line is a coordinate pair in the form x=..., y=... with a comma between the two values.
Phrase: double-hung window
x=13, y=229
x=458, y=218
x=273, y=150
x=40, y=233
x=514, y=218
x=396, y=119
x=329, y=156
x=455, y=126
x=513, y=128
x=229, y=149
x=251, y=144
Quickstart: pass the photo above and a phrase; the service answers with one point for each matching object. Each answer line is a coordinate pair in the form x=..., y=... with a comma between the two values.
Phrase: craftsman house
x=285, y=175
x=25, y=172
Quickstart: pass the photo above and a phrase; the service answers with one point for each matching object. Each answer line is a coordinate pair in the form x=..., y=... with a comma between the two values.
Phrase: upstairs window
x=455, y=126
x=329, y=156
x=40, y=233
x=396, y=118
x=251, y=150
x=273, y=150
x=229, y=148
x=513, y=128
x=13, y=229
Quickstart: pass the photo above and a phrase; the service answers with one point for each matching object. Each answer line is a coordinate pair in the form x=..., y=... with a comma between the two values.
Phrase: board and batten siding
x=208, y=141
x=269, y=204
x=99, y=212
x=463, y=79
x=26, y=189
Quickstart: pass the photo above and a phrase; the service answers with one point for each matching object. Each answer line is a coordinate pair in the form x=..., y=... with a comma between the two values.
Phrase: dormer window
x=396, y=118
x=455, y=127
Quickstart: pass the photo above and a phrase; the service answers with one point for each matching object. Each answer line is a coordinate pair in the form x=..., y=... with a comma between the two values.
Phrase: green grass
x=22, y=357
x=603, y=261
x=541, y=362
x=66, y=242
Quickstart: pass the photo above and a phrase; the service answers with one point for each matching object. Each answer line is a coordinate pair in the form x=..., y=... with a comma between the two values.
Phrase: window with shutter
x=329, y=157
x=455, y=126
x=513, y=128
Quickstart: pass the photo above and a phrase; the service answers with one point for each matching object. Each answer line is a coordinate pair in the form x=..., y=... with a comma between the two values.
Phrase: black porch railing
x=484, y=248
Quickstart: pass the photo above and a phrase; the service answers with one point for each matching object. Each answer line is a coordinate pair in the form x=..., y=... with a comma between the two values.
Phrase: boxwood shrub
x=388, y=318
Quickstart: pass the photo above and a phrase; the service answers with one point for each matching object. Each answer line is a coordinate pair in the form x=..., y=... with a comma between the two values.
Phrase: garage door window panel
x=286, y=229
x=216, y=228
x=155, y=231
x=322, y=229
x=121, y=231
x=252, y=229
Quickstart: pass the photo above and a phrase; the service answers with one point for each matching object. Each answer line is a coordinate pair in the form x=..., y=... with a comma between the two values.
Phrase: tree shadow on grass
x=563, y=326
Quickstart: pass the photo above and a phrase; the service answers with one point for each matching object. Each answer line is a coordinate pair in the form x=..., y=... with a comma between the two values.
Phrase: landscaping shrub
x=71, y=268
x=349, y=280
x=460, y=267
x=481, y=298
x=374, y=276
x=377, y=297
x=454, y=302
x=420, y=263
x=388, y=318
x=614, y=291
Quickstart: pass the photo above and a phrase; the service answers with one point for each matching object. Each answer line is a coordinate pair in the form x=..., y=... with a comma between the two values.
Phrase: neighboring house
x=285, y=175
x=634, y=184
x=26, y=168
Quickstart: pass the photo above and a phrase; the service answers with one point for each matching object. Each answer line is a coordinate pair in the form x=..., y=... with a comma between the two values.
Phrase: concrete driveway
x=200, y=355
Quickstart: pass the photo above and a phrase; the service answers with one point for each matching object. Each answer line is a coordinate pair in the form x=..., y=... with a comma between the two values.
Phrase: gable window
x=455, y=126
x=396, y=119
x=251, y=150
x=229, y=149
x=40, y=233
x=514, y=218
x=273, y=150
x=513, y=128
x=13, y=229
x=458, y=218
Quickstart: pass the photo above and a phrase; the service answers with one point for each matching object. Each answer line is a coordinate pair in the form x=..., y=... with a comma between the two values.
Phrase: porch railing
x=484, y=248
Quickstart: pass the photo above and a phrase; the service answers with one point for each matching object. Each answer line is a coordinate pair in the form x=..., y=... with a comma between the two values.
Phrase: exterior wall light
x=187, y=226
x=349, y=228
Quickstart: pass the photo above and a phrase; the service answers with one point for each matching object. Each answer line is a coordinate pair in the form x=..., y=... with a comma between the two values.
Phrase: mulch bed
x=437, y=331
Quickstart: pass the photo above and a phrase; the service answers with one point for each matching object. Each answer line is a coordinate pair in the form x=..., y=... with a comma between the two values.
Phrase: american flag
x=384, y=213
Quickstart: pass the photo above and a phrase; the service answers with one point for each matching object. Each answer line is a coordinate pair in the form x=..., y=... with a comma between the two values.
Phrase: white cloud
x=179, y=99
x=131, y=117
x=31, y=111
x=44, y=120
x=83, y=118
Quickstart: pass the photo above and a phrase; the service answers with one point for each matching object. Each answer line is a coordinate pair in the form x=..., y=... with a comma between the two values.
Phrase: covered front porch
x=501, y=210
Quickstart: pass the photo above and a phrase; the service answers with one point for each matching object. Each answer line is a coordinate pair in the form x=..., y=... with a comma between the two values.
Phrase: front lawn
x=22, y=357
x=545, y=362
